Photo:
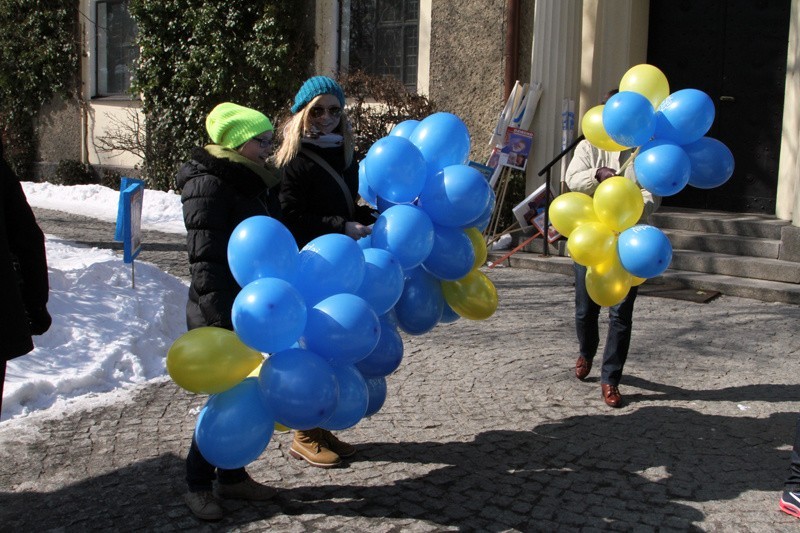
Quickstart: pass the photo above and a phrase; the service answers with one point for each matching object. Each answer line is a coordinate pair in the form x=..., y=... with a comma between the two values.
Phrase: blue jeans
x=793, y=481
x=200, y=474
x=587, y=313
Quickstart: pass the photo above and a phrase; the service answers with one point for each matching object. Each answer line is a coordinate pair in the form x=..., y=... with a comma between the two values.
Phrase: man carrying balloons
x=590, y=167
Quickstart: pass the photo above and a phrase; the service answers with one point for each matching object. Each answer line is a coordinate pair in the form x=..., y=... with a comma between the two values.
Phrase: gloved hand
x=39, y=320
x=603, y=173
x=355, y=230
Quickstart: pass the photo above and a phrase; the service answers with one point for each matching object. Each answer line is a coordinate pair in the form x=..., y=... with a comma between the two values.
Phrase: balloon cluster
x=667, y=131
x=328, y=315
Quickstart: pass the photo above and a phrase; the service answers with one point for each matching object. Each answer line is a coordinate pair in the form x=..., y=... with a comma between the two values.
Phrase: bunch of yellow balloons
x=474, y=296
x=592, y=226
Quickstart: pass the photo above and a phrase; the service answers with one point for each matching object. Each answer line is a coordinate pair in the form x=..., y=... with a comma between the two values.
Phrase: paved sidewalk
x=484, y=428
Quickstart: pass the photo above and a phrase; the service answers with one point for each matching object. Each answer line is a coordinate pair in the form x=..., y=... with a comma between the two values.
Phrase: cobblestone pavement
x=485, y=428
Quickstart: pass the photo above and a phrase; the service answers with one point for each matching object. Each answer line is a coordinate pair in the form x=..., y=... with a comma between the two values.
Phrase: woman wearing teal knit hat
x=222, y=184
x=319, y=193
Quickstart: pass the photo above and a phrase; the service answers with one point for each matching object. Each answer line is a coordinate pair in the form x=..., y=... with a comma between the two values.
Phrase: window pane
x=116, y=50
x=384, y=38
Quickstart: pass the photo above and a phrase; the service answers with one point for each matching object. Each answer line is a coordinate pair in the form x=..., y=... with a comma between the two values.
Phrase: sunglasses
x=263, y=142
x=319, y=111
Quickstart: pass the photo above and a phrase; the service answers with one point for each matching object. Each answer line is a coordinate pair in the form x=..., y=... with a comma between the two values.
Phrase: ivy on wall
x=39, y=49
x=195, y=55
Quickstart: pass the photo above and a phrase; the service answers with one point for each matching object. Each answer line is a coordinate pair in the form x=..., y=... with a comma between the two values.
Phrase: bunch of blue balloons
x=328, y=315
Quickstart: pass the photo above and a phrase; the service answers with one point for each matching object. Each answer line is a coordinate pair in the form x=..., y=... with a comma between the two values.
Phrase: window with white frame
x=382, y=38
x=115, y=47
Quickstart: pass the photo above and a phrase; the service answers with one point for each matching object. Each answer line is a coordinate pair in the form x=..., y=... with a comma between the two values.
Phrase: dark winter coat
x=217, y=194
x=313, y=203
x=24, y=289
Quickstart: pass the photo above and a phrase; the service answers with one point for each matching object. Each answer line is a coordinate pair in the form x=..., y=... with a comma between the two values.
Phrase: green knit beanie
x=231, y=125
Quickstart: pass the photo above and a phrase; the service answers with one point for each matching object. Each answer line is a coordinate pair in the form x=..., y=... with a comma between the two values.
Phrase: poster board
x=530, y=212
x=131, y=201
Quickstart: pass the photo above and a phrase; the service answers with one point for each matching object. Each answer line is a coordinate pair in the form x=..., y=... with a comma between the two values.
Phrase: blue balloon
x=386, y=356
x=376, y=390
x=269, y=315
x=684, y=116
x=662, y=167
x=364, y=190
x=396, y=169
x=448, y=315
x=452, y=255
x=299, y=387
x=261, y=247
x=711, y=162
x=629, y=118
x=342, y=328
x=644, y=251
x=383, y=280
x=482, y=222
x=328, y=265
x=421, y=306
x=456, y=196
x=351, y=405
x=405, y=128
x=234, y=427
x=407, y=232
x=443, y=139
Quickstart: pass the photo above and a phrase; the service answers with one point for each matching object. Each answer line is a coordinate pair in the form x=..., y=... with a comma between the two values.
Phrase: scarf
x=331, y=140
x=267, y=172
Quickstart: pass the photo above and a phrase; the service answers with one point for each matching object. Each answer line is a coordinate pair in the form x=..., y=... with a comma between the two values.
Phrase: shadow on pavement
x=583, y=471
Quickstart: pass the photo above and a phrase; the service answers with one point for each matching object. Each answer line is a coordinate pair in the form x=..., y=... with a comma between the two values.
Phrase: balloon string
x=628, y=161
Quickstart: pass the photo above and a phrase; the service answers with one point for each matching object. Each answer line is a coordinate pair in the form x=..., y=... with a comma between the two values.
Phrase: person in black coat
x=23, y=272
x=319, y=192
x=221, y=185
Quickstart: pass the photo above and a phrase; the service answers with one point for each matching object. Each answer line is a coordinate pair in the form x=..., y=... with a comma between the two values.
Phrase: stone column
x=787, y=202
x=555, y=62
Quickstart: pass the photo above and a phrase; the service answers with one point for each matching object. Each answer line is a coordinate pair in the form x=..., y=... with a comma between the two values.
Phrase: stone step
x=733, y=265
x=742, y=224
x=757, y=289
x=723, y=243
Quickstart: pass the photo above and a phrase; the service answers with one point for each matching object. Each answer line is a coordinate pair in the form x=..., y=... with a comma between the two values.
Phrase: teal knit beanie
x=314, y=87
x=231, y=125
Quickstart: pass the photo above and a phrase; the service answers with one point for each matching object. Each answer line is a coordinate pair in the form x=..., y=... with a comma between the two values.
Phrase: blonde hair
x=293, y=135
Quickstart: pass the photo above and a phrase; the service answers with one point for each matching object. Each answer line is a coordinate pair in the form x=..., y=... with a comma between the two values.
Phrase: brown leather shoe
x=582, y=368
x=611, y=395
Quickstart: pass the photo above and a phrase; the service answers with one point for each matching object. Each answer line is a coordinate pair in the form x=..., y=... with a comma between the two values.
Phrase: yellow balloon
x=636, y=281
x=648, y=81
x=256, y=371
x=570, y=210
x=281, y=428
x=618, y=203
x=210, y=360
x=479, y=245
x=474, y=296
x=591, y=243
x=595, y=132
x=608, y=283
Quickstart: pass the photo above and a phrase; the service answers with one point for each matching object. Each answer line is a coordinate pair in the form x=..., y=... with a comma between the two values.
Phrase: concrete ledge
x=790, y=244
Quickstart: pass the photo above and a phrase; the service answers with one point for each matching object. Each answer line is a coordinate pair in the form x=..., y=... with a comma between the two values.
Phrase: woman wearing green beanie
x=318, y=196
x=221, y=185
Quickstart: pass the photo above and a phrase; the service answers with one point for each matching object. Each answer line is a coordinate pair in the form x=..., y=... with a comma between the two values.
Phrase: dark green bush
x=195, y=55
x=72, y=172
x=39, y=52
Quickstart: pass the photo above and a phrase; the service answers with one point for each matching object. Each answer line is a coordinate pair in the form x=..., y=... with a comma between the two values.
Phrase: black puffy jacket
x=217, y=194
x=313, y=203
